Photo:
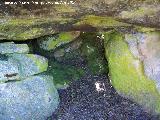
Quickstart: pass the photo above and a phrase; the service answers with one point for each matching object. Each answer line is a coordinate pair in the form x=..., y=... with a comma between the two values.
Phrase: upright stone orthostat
x=25, y=94
x=34, y=98
x=134, y=66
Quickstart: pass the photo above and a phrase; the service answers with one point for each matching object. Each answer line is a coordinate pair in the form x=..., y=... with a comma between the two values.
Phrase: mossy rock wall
x=127, y=73
x=28, y=21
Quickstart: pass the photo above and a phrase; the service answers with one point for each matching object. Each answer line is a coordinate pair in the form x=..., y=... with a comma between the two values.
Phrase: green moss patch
x=51, y=42
x=103, y=22
x=63, y=75
x=127, y=75
x=92, y=51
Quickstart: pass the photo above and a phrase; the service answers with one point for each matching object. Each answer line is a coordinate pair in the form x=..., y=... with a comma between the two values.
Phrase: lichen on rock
x=10, y=47
x=51, y=42
x=29, y=64
x=127, y=72
x=35, y=94
x=24, y=89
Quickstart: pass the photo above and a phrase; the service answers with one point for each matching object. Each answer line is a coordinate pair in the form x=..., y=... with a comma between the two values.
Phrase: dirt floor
x=93, y=98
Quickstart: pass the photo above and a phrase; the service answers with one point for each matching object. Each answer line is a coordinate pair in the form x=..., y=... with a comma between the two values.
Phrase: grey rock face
x=48, y=43
x=20, y=66
x=10, y=47
x=34, y=98
x=25, y=94
x=8, y=69
x=145, y=47
x=30, y=64
x=61, y=52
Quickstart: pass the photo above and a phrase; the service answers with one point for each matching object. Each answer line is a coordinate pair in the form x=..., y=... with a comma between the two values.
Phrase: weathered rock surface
x=10, y=47
x=27, y=21
x=8, y=69
x=51, y=42
x=68, y=51
x=34, y=98
x=20, y=66
x=146, y=48
x=30, y=64
x=25, y=93
x=134, y=66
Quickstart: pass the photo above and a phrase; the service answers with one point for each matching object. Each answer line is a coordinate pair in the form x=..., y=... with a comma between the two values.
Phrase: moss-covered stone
x=127, y=74
x=92, y=50
x=17, y=21
x=69, y=51
x=21, y=29
x=29, y=64
x=101, y=22
x=51, y=42
x=11, y=47
x=139, y=12
x=63, y=75
x=144, y=29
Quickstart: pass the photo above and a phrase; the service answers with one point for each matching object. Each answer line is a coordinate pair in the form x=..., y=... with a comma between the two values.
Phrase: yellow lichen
x=29, y=33
x=139, y=12
x=98, y=21
x=144, y=29
x=64, y=8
